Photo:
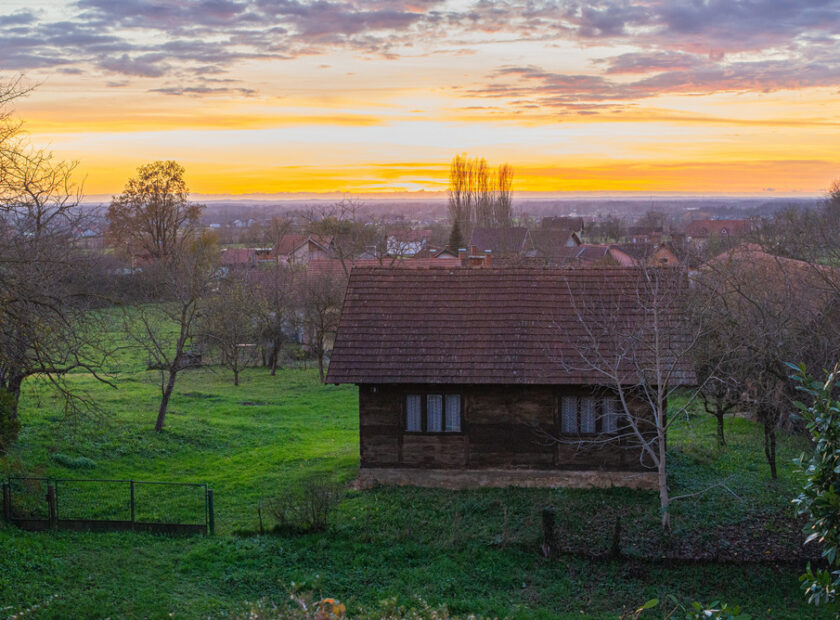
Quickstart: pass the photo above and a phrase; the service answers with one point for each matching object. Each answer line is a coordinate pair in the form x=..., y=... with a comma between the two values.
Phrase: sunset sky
x=270, y=96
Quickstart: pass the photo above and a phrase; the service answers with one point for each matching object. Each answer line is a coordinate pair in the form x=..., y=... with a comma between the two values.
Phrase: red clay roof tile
x=509, y=325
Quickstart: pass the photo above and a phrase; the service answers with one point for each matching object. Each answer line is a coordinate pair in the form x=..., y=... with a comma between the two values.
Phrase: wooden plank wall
x=502, y=426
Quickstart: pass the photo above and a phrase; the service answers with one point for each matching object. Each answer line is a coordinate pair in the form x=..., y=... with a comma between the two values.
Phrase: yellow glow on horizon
x=318, y=130
x=780, y=177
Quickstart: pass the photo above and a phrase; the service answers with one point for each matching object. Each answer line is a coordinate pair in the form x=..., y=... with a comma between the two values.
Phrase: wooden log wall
x=501, y=426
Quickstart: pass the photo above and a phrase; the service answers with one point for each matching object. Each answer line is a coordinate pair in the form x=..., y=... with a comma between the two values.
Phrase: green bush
x=73, y=462
x=820, y=496
x=9, y=423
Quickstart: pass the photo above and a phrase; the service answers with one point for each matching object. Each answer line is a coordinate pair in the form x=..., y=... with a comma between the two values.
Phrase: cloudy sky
x=733, y=96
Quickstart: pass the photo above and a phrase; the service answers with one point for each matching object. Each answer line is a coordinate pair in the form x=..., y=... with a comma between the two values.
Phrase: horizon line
x=442, y=194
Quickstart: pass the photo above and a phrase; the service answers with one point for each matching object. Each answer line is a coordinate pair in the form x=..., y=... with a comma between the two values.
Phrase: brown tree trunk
x=13, y=388
x=770, y=449
x=275, y=355
x=662, y=472
x=720, y=436
x=236, y=375
x=164, y=401
x=321, y=364
x=664, y=500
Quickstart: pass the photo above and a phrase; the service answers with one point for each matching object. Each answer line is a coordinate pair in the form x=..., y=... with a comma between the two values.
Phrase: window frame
x=599, y=410
x=424, y=419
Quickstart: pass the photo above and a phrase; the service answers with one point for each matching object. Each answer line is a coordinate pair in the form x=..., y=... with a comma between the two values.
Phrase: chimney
x=462, y=253
x=488, y=262
x=474, y=250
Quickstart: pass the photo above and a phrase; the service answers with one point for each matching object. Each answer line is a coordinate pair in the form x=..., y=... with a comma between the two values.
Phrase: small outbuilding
x=485, y=377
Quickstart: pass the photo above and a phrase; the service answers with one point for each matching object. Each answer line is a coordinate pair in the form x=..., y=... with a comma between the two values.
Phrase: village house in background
x=700, y=232
x=505, y=242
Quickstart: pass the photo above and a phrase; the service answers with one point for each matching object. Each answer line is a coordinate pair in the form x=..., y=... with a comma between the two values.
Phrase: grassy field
x=472, y=551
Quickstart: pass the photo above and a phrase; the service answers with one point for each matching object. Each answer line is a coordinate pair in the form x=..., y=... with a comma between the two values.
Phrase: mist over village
x=419, y=309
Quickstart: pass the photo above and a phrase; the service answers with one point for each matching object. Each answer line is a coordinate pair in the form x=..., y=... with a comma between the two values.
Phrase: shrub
x=820, y=497
x=73, y=462
x=673, y=609
x=307, y=507
x=9, y=424
x=305, y=607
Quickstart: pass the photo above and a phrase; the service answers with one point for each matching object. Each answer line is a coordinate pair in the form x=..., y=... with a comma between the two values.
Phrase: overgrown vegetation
x=820, y=497
x=465, y=552
x=305, y=507
x=9, y=422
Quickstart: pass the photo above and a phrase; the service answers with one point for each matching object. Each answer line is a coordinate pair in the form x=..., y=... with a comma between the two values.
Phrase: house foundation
x=458, y=479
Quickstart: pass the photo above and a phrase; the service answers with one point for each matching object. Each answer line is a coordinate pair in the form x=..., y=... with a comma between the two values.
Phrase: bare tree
x=351, y=233
x=503, y=200
x=478, y=195
x=166, y=330
x=320, y=299
x=637, y=335
x=277, y=228
x=230, y=322
x=764, y=310
x=46, y=284
x=275, y=290
x=720, y=394
x=153, y=214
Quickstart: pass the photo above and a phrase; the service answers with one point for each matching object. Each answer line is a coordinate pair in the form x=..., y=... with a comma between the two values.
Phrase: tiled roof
x=584, y=255
x=334, y=267
x=508, y=326
x=708, y=228
x=238, y=256
x=501, y=241
x=552, y=242
x=779, y=281
x=291, y=242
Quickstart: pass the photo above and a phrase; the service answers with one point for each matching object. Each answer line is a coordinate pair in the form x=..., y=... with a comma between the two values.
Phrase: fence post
x=7, y=501
x=52, y=507
x=211, y=521
x=550, y=547
x=131, y=493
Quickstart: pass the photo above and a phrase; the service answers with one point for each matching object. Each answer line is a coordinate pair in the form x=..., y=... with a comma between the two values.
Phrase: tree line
x=479, y=196
x=57, y=299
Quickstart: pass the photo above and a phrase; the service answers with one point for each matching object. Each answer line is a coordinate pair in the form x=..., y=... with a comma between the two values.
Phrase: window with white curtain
x=609, y=424
x=453, y=413
x=568, y=415
x=413, y=413
x=434, y=413
x=587, y=416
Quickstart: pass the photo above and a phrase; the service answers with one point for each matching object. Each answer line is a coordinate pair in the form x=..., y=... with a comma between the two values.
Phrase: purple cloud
x=681, y=46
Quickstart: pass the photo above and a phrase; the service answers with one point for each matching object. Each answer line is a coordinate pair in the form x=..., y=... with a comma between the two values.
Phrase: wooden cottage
x=484, y=377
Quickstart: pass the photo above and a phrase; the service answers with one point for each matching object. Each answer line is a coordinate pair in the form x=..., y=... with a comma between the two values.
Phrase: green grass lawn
x=472, y=551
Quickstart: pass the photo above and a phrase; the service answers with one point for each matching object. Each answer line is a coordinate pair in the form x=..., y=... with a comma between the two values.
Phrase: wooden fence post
x=131, y=493
x=7, y=502
x=52, y=507
x=550, y=548
x=211, y=520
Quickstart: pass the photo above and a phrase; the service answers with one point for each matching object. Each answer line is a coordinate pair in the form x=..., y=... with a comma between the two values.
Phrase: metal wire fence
x=64, y=503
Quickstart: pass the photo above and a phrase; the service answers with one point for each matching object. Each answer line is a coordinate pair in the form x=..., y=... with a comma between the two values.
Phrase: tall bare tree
x=479, y=195
x=320, y=298
x=275, y=291
x=230, y=322
x=638, y=335
x=167, y=330
x=46, y=283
